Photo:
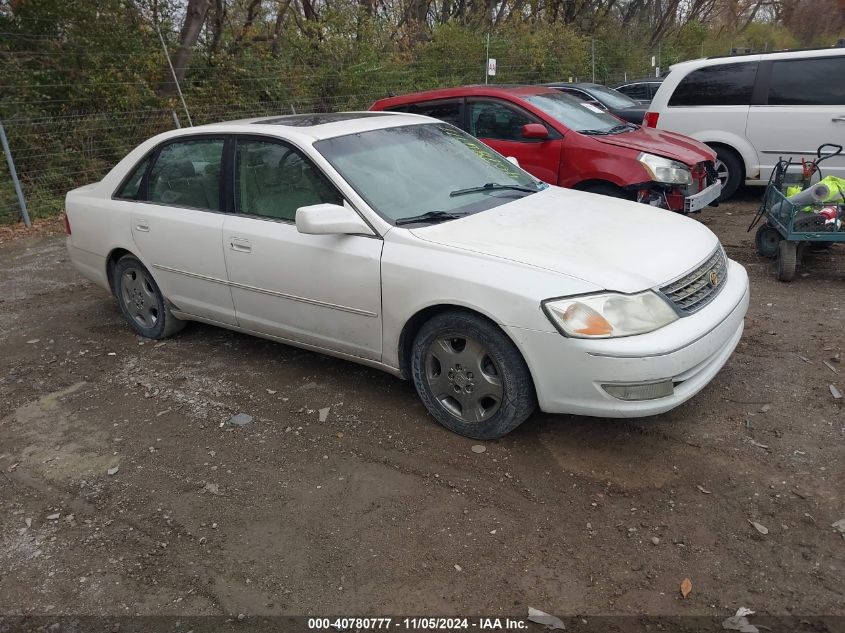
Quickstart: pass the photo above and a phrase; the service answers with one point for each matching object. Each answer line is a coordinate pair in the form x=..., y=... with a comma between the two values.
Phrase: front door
x=322, y=290
x=499, y=125
x=177, y=225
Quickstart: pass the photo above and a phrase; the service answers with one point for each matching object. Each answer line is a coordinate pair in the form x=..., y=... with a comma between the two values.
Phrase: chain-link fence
x=54, y=154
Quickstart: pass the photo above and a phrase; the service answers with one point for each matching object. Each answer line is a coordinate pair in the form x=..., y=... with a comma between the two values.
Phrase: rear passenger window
x=726, y=84
x=448, y=112
x=636, y=91
x=132, y=187
x=187, y=174
x=819, y=81
x=273, y=180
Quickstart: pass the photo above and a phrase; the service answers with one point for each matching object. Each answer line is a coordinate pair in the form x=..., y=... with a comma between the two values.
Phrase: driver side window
x=273, y=180
x=496, y=121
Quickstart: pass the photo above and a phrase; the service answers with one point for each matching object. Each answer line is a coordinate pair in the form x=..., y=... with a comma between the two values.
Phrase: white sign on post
x=653, y=61
x=491, y=67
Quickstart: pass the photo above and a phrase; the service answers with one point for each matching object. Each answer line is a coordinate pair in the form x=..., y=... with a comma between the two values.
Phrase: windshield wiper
x=624, y=127
x=595, y=132
x=429, y=216
x=492, y=186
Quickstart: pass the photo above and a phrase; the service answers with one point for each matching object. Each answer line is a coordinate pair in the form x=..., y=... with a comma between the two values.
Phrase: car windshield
x=432, y=170
x=611, y=97
x=574, y=114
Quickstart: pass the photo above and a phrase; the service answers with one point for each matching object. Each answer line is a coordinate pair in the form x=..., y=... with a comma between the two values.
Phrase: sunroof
x=307, y=120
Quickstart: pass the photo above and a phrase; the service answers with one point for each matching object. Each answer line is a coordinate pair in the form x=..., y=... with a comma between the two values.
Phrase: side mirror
x=330, y=219
x=534, y=130
x=512, y=159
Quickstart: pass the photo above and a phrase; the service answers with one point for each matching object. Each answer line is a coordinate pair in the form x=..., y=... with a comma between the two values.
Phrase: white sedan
x=400, y=242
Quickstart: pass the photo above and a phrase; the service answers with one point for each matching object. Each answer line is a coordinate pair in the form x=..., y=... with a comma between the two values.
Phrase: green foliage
x=81, y=81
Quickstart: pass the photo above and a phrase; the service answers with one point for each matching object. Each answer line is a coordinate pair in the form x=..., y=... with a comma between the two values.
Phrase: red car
x=571, y=143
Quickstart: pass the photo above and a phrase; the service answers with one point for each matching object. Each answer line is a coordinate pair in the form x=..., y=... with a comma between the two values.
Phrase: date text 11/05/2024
x=417, y=624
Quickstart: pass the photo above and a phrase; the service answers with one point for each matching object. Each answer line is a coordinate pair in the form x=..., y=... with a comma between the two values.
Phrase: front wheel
x=471, y=377
x=141, y=302
x=787, y=260
x=767, y=240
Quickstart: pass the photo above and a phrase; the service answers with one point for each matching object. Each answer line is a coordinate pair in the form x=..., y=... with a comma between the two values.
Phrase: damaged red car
x=570, y=143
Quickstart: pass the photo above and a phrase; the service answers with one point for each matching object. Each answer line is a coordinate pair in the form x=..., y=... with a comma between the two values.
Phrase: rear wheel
x=141, y=302
x=767, y=240
x=787, y=260
x=729, y=171
x=470, y=376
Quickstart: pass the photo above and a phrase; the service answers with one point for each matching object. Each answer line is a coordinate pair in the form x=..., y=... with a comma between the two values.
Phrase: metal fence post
x=10, y=161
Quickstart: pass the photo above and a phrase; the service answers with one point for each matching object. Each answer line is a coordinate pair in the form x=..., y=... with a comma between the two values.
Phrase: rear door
x=322, y=290
x=801, y=106
x=713, y=99
x=177, y=225
x=499, y=125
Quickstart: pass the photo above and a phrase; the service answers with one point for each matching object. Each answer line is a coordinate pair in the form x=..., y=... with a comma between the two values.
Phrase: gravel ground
x=123, y=489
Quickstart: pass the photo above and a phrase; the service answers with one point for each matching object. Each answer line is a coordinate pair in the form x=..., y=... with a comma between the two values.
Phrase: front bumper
x=569, y=373
x=697, y=201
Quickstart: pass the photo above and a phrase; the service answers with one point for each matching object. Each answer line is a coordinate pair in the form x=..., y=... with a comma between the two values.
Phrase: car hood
x=669, y=144
x=611, y=243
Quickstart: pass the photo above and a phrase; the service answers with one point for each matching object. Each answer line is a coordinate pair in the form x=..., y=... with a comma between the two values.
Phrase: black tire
x=607, y=189
x=455, y=351
x=733, y=172
x=767, y=240
x=141, y=302
x=787, y=260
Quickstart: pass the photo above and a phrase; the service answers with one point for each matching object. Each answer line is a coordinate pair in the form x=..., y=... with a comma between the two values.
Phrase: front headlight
x=665, y=170
x=609, y=315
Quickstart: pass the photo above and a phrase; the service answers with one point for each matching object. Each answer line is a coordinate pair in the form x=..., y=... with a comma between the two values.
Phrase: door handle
x=838, y=118
x=240, y=245
x=142, y=225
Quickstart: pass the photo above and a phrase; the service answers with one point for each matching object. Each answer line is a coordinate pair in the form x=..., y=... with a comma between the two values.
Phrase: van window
x=726, y=84
x=815, y=81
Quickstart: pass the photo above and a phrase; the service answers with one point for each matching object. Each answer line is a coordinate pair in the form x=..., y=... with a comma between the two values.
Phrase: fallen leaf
x=703, y=489
x=830, y=367
x=541, y=617
x=686, y=587
x=835, y=392
x=762, y=529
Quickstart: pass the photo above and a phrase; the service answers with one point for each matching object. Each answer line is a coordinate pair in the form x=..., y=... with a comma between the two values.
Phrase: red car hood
x=669, y=144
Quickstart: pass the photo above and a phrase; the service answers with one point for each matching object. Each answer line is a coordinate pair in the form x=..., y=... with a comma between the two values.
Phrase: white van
x=753, y=109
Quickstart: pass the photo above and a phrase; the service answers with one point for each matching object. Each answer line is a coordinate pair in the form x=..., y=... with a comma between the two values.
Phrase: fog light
x=641, y=390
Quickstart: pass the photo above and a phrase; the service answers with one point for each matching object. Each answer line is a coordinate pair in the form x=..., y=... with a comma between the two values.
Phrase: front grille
x=698, y=287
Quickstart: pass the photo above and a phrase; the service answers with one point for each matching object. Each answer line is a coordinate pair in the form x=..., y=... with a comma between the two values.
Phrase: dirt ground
x=378, y=510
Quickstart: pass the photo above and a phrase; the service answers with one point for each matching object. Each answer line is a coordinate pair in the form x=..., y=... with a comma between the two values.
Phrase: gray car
x=604, y=98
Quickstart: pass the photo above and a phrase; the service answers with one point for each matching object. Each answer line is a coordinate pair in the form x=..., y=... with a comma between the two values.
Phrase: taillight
x=650, y=119
x=67, y=225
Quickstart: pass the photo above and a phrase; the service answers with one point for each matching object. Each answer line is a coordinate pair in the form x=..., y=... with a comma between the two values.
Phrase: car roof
x=753, y=57
x=643, y=80
x=574, y=84
x=314, y=126
x=496, y=90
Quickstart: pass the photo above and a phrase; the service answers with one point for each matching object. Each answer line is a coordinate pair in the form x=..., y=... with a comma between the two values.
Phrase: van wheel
x=141, y=302
x=729, y=171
